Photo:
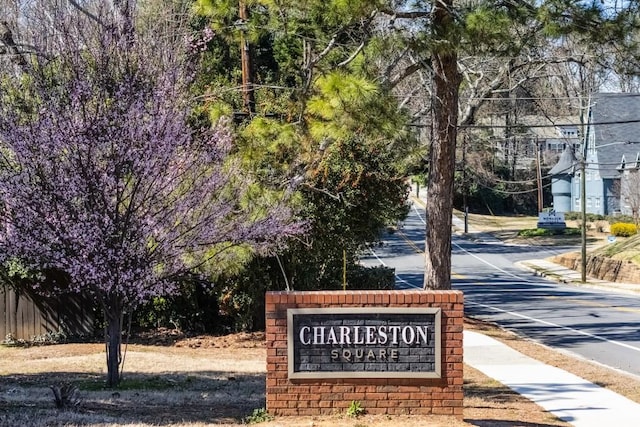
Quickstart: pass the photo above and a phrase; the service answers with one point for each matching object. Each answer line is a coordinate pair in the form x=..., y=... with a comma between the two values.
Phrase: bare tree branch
x=11, y=48
x=406, y=14
x=84, y=11
x=352, y=56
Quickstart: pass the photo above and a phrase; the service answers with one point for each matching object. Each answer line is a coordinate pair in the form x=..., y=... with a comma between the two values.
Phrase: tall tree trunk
x=446, y=82
x=248, y=96
x=113, y=341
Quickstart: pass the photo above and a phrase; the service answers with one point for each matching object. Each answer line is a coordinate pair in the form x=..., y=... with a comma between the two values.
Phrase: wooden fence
x=26, y=317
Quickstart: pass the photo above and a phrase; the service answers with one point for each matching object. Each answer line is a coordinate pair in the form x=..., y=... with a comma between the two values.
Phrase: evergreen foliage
x=323, y=128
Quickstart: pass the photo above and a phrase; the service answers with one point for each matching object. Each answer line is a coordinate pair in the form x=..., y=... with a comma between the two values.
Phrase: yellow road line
x=409, y=242
x=419, y=201
x=420, y=251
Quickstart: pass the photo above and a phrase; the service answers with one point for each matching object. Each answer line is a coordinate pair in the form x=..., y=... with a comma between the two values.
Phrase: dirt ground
x=170, y=380
x=506, y=228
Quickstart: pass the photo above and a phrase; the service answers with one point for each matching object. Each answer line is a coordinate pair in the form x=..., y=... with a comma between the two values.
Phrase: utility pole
x=583, y=207
x=583, y=191
x=248, y=98
x=539, y=176
x=464, y=184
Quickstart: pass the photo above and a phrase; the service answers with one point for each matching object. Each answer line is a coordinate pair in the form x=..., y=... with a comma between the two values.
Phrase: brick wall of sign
x=403, y=396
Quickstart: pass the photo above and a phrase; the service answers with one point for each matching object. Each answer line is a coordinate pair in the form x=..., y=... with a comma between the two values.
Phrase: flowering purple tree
x=101, y=176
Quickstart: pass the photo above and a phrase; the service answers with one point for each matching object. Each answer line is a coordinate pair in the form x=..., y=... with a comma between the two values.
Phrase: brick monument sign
x=394, y=352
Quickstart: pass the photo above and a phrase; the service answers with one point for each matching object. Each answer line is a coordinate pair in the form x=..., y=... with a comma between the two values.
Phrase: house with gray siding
x=612, y=152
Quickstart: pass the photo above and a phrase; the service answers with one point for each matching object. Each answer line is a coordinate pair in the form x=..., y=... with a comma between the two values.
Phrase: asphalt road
x=596, y=325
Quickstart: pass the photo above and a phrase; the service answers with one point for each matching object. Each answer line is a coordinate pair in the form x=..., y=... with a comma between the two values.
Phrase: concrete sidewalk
x=565, y=395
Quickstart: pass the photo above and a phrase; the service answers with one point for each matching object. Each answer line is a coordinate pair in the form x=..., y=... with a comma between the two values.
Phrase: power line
x=526, y=181
x=589, y=167
x=511, y=193
x=615, y=122
x=524, y=98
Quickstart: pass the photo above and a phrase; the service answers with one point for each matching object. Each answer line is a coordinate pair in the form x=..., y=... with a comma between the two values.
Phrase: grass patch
x=621, y=245
x=624, y=249
x=544, y=232
x=498, y=222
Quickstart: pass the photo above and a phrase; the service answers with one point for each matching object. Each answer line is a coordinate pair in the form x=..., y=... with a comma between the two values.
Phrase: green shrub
x=540, y=232
x=355, y=409
x=572, y=216
x=572, y=231
x=194, y=309
x=591, y=217
x=623, y=229
x=535, y=232
x=259, y=415
x=619, y=218
x=360, y=277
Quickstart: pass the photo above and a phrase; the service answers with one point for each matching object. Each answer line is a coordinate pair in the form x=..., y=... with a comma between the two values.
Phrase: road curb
x=610, y=287
x=540, y=272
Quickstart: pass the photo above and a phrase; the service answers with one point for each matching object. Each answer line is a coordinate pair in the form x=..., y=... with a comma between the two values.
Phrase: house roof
x=615, y=119
x=567, y=162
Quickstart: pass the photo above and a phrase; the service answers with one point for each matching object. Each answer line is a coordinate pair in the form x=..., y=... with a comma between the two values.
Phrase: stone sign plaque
x=367, y=342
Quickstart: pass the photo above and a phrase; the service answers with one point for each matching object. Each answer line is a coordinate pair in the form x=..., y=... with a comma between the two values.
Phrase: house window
x=568, y=131
x=556, y=147
x=577, y=203
x=597, y=202
x=589, y=202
